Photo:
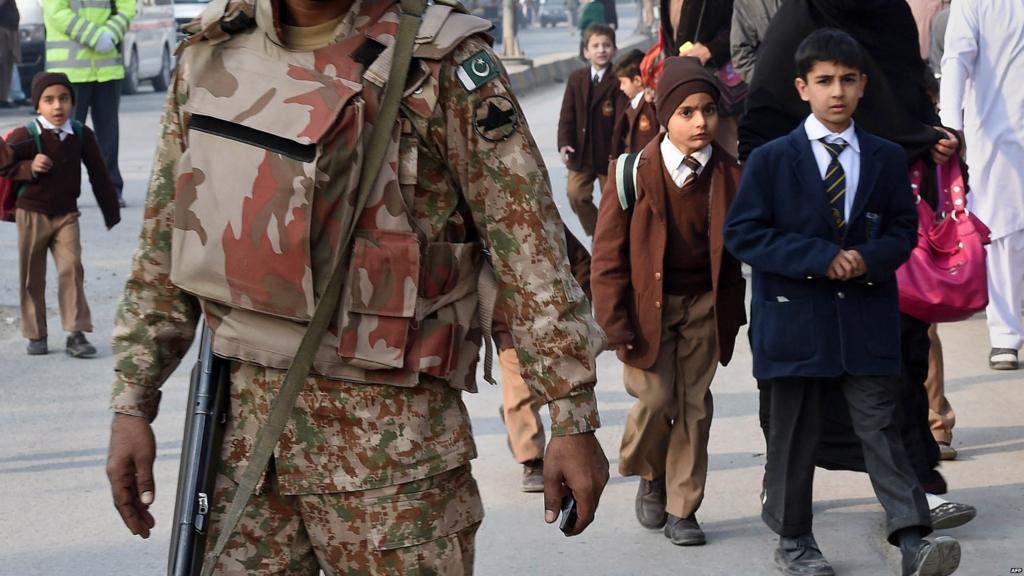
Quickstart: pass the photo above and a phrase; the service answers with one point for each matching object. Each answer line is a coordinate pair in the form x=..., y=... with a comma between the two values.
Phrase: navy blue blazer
x=802, y=323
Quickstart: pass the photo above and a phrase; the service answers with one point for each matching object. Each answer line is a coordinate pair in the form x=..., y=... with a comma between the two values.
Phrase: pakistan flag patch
x=477, y=70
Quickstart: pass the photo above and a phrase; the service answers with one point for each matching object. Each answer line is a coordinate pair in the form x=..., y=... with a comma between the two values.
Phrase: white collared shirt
x=635, y=102
x=598, y=73
x=849, y=158
x=673, y=159
x=65, y=129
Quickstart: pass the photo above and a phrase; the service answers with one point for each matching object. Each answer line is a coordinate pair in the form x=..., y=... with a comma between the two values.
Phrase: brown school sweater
x=688, y=271
x=56, y=192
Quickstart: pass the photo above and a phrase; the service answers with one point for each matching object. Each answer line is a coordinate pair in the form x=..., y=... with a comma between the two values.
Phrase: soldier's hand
x=576, y=464
x=130, y=470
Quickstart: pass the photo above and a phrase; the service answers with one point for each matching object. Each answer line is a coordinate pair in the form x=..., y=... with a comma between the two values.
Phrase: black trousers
x=103, y=100
x=797, y=410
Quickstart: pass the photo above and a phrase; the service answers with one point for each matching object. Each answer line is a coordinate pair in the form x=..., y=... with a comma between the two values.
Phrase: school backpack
x=9, y=190
x=625, y=178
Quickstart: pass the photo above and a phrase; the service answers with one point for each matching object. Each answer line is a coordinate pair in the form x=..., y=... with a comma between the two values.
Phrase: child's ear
x=801, y=88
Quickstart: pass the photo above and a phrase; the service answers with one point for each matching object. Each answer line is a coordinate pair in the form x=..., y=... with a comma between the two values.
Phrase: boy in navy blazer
x=825, y=216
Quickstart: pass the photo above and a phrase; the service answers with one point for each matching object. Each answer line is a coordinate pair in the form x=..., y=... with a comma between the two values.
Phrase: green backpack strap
x=33, y=130
x=78, y=129
x=625, y=179
x=281, y=409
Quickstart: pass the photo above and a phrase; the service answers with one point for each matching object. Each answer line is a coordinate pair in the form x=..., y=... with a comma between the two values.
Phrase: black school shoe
x=800, y=556
x=78, y=347
x=951, y=514
x=650, y=503
x=1003, y=359
x=940, y=557
x=37, y=347
x=684, y=531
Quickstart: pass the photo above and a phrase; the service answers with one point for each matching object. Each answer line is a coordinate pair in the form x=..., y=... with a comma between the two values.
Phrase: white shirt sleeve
x=958, y=60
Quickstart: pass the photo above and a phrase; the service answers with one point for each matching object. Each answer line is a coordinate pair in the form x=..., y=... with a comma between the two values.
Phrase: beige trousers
x=941, y=416
x=667, y=429
x=521, y=408
x=580, y=190
x=38, y=233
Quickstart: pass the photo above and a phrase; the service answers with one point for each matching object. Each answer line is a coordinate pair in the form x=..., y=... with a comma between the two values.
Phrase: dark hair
x=628, y=65
x=598, y=30
x=828, y=45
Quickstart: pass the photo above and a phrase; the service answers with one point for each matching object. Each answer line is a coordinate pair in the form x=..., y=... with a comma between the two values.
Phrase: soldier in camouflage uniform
x=259, y=157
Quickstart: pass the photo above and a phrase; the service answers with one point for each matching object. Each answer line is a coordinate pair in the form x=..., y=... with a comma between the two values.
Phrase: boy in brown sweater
x=46, y=164
x=590, y=107
x=669, y=297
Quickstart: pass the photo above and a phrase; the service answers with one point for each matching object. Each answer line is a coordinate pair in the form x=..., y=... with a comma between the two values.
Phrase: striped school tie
x=835, y=182
x=694, y=165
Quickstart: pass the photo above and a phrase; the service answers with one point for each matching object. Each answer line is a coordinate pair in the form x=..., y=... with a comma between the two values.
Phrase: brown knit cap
x=44, y=80
x=681, y=77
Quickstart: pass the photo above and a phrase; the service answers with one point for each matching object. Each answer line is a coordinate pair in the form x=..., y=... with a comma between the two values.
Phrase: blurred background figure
x=10, y=50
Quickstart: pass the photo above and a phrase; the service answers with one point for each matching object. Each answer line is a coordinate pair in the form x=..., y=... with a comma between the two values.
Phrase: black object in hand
x=568, y=522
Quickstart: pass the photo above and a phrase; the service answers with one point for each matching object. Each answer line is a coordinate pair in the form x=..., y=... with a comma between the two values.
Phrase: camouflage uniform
x=278, y=135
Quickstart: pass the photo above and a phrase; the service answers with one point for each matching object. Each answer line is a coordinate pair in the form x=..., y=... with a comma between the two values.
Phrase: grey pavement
x=55, y=510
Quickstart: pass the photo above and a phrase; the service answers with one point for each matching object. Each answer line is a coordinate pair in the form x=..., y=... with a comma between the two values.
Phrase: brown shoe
x=650, y=503
x=533, y=476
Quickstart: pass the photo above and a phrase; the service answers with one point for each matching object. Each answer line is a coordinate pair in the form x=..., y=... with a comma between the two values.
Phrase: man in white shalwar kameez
x=982, y=93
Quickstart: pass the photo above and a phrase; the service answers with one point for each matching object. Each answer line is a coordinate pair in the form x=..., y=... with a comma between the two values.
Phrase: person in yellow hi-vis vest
x=83, y=39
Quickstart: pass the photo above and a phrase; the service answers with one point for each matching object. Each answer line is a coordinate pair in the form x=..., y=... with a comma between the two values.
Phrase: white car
x=187, y=10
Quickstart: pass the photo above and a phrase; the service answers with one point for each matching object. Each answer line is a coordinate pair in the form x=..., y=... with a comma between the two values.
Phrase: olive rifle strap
x=280, y=411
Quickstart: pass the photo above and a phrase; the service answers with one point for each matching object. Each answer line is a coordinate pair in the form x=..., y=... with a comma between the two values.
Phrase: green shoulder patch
x=477, y=70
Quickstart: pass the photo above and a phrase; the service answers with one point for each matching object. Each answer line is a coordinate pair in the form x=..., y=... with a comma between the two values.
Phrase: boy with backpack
x=45, y=170
x=669, y=297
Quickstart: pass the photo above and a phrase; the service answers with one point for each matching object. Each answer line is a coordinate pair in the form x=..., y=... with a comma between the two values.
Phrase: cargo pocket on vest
x=379, y=299
x=423, y=528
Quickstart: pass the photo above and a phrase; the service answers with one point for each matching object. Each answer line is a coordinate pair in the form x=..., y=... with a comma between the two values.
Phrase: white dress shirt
x=65, y=128
x=980, y=92
x=636, y=100
x=849, y=158
x=673, y=159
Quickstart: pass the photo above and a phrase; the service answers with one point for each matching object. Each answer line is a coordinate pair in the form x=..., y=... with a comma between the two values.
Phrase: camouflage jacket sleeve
x=502, y=176
x=155, y=321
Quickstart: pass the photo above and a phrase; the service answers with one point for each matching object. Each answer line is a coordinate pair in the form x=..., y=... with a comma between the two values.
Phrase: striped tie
x=835, y=182
x=694, y=165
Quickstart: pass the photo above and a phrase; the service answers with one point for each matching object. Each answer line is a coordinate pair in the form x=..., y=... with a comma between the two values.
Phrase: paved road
x=56, y=517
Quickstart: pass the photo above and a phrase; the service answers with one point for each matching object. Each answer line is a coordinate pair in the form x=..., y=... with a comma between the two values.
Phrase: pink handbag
x=945, y=278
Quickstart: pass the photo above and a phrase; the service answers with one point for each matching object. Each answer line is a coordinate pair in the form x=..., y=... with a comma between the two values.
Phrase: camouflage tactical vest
x=264, y=190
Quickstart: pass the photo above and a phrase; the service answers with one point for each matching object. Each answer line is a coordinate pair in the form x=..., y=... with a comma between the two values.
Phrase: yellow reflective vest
x=73, y=27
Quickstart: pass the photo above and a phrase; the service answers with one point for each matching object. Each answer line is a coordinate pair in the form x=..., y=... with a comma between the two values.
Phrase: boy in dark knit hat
x=47, y=157
x=668, y=295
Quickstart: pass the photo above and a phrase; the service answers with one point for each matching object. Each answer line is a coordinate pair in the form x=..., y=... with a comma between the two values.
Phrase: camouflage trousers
x=425, y=527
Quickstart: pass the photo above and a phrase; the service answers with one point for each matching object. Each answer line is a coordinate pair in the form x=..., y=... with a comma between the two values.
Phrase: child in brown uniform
x=639, y=125
x=669, y=297
x=47, y=159
x=590, y=107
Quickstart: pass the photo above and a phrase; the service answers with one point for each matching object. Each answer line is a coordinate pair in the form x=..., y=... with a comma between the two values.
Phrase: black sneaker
x=37, y=347
x=78, y=347
x=1003, y=359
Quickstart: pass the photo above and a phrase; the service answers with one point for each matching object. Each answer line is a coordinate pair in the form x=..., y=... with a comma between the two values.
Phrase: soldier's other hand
x=130, y=471
x=564, y=152
x=41, y=164
x=574, y=464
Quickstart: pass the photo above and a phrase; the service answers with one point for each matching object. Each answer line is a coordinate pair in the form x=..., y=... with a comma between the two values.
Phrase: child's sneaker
x=79, y=347
x=37, y=347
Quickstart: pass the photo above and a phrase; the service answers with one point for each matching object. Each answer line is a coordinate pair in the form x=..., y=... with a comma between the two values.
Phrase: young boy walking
x=669, y=297
x=47, y=157
x=590, y=107
x=824, y=217
x=639, y=125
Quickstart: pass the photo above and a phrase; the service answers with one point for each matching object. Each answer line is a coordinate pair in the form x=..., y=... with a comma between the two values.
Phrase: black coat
x=713, y=32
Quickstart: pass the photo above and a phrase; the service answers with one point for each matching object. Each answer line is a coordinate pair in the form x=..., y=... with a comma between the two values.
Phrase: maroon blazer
x=587, y=121
x=630, y=251
x=636, y=128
